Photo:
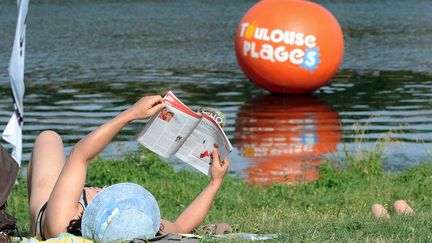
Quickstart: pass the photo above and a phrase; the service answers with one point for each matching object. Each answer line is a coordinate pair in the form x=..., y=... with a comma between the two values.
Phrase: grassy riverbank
x=334, y=208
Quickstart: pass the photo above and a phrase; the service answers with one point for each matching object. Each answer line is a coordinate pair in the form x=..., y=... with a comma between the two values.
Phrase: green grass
x=334, y=208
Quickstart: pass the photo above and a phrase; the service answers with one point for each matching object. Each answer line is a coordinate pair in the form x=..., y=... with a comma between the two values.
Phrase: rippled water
x=87, y=61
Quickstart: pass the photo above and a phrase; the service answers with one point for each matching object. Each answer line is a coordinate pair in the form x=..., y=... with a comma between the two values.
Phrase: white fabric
x=13, y=135
x=13, y=131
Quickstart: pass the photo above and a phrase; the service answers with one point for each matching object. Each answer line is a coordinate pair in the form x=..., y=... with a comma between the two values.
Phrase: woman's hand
x=145, y=107
x=218, y=168
x=197, y=211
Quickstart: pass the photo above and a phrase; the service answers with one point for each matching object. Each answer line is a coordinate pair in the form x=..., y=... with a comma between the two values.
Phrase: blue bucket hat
x=121, y=212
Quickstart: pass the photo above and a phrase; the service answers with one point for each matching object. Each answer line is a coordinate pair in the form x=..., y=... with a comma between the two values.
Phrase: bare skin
x=60, y=181
x=401, y=207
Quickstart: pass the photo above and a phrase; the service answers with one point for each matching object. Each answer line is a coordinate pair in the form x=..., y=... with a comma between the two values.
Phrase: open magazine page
x=167, y=130
x=197, y=148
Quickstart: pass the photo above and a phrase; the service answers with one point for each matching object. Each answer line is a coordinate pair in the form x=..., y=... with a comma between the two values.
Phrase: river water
x=88, y=60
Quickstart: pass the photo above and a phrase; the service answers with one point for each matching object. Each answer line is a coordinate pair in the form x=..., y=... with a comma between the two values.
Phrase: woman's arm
x=63, y=201
x=97, y=140
x=196, y=212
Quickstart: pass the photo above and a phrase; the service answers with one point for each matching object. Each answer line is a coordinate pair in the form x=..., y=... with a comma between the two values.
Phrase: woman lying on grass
x=59, y=199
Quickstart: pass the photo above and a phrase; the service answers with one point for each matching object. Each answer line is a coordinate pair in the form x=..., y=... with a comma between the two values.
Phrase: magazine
x=190, y=136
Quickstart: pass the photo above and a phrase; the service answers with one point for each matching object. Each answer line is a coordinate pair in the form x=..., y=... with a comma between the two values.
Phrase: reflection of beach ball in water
x=289, y=46
x=285, y=137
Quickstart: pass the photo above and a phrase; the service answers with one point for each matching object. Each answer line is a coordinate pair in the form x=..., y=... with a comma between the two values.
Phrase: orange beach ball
x=289, y=46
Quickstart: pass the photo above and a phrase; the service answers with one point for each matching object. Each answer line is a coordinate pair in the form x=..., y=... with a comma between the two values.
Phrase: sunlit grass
x=334, y=208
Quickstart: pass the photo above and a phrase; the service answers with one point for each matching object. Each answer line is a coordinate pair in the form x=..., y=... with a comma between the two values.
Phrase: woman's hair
x=74, y=226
